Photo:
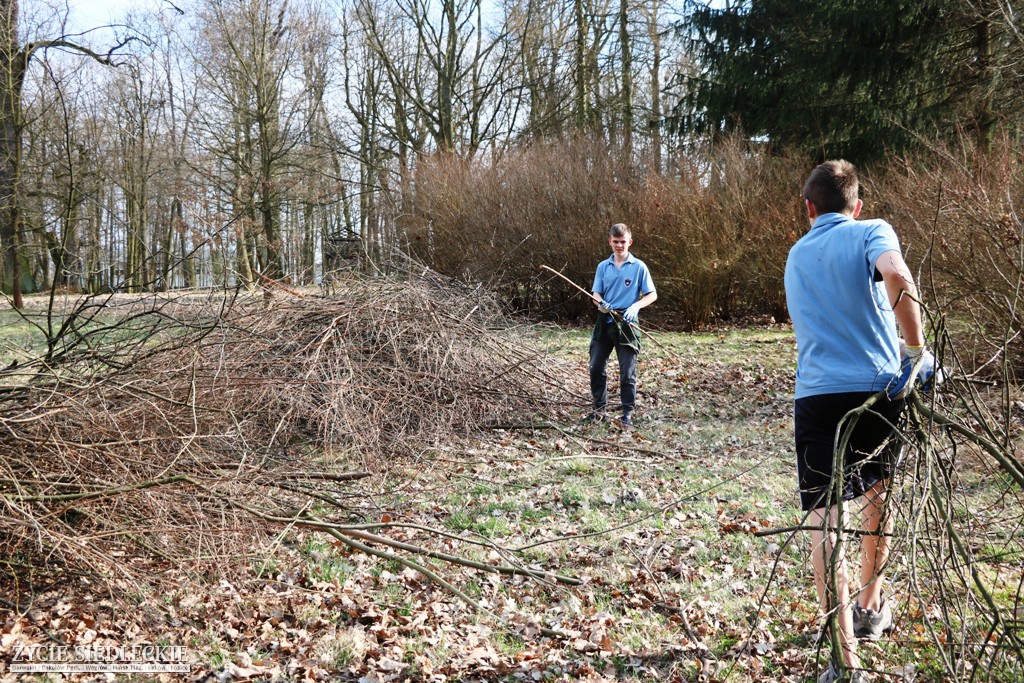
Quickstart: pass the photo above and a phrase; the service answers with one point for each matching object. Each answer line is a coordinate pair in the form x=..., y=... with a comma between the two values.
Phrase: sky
x=83, y=15
x=92, y=13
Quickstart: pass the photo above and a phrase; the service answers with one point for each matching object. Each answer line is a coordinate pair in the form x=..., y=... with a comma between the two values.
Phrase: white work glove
x=918, y=366
x=632, y=314
x=603, y=307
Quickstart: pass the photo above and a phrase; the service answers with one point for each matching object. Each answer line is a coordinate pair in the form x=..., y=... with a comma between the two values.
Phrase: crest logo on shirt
x=627, y=282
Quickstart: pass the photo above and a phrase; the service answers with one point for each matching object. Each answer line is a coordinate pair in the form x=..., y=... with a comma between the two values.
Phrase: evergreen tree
x=851, y=78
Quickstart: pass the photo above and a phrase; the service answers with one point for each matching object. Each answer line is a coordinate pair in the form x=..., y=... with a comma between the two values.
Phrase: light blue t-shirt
x=844, y=324
x=620, y=287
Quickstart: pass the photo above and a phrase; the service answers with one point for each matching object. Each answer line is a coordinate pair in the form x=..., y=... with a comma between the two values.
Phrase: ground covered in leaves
x=664, y=531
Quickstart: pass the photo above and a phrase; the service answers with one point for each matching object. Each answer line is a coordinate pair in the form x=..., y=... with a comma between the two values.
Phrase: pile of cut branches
x=190, y=429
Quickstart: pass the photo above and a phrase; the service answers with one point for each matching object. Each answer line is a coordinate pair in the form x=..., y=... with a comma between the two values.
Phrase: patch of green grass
x=505, y=506
x=337, y=653
x=414, y=647
x=594, y=521
x=394, y=591
x=723, y=644
x=473, y=588
x=509, y=644
x=492, y=527
x=308, y=614
x=329, y=568
x=19, y=338
x=212, y=648
x=459, y=520
x=533, y=514
x=577, y=467
x=266, y=567
x=481, y=489
x=572, y=496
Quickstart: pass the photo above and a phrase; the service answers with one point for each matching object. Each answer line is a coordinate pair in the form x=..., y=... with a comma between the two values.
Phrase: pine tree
x=851, y=78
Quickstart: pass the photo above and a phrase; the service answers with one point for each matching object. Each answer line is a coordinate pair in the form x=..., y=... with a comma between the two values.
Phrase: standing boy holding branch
x=622, y=286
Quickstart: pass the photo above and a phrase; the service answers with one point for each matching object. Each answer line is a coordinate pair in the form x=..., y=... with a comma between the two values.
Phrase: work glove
x=632, y=314
x=918, y=366
x=603, y=307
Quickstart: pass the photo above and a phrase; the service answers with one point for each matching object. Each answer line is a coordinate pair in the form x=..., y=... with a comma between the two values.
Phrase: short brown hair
x=833, y=187
x=619, y=230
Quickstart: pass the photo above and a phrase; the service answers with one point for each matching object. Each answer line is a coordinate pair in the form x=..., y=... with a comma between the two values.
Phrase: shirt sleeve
x=879, y=239
x=646, y=281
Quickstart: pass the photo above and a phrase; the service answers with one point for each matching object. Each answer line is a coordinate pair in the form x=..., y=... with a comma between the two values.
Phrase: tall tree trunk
x=984, y=118
x=582, y=76
x=627, y=79
x=96, y=280
x=12, y=62
x=655, y=118
x=447, y=65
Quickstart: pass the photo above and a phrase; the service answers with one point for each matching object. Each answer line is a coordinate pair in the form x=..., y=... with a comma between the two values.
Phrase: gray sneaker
x=872, y=624
x=851, y=675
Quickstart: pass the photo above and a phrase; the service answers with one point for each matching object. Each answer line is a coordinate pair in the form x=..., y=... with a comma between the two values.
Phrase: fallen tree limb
x=333, y=528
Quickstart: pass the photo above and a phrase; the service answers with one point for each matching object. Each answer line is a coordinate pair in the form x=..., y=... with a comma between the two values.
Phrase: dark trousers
x=623, y=339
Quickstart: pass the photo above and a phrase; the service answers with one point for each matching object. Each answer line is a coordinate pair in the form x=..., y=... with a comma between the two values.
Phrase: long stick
x=614, y=314
x=589, y=295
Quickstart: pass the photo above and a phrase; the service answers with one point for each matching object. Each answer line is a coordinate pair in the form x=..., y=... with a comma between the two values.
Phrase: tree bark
x=13, y=63
x=627, y=79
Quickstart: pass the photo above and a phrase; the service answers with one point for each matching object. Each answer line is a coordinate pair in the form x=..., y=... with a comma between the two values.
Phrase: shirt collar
x=629, y=259
x=827, y=220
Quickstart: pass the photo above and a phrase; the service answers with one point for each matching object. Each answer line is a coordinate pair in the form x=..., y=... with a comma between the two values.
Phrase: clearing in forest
x=315, y=491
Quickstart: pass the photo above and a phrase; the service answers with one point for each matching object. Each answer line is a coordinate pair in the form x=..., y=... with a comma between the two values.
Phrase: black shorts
x=870, y=454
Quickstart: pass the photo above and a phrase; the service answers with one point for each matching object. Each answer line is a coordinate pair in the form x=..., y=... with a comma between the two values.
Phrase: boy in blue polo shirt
x=847, y=287
x=622, y=286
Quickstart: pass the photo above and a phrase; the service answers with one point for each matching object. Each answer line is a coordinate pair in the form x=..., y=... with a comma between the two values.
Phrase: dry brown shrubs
x=957, y=212
x=715, y=232
x=228, y=407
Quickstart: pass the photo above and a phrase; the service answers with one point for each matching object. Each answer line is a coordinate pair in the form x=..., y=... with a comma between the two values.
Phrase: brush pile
x=156, y=429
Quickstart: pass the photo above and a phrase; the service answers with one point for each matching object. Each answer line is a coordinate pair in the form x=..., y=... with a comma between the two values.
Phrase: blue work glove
x=631, y=314
x=918, y=366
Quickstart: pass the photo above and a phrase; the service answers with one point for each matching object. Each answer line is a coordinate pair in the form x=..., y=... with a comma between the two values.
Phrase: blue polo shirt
x=621, y=286
x=844, y=324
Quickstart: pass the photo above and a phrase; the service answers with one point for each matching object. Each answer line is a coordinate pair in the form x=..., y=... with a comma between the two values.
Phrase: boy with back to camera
x=622, y=286
x=847, y=287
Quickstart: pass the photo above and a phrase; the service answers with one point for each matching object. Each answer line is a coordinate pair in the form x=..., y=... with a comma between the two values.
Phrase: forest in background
x=223, y=143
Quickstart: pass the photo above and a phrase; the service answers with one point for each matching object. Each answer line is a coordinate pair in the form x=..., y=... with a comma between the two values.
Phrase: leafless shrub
x=958, y=214
x=721, y=232
x=222, y=414
x=713, y=235
x=549, y=204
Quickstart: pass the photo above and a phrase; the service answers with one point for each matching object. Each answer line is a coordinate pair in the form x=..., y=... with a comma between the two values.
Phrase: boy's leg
x=600, y=349
x=815, y=422
x=829, y=563
x=627, y=357
x=874, y=546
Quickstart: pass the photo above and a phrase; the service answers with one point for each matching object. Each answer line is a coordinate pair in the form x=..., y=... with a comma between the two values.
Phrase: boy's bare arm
x=647, y=299
x=899, y=284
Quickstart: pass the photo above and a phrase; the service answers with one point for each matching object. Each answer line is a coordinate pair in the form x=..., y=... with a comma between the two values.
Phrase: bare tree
x=15, y=58
x=626, y=68
x=247, y=53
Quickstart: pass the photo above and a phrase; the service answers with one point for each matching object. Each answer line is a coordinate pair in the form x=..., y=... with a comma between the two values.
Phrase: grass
x=21, y=339
x=658, y=524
